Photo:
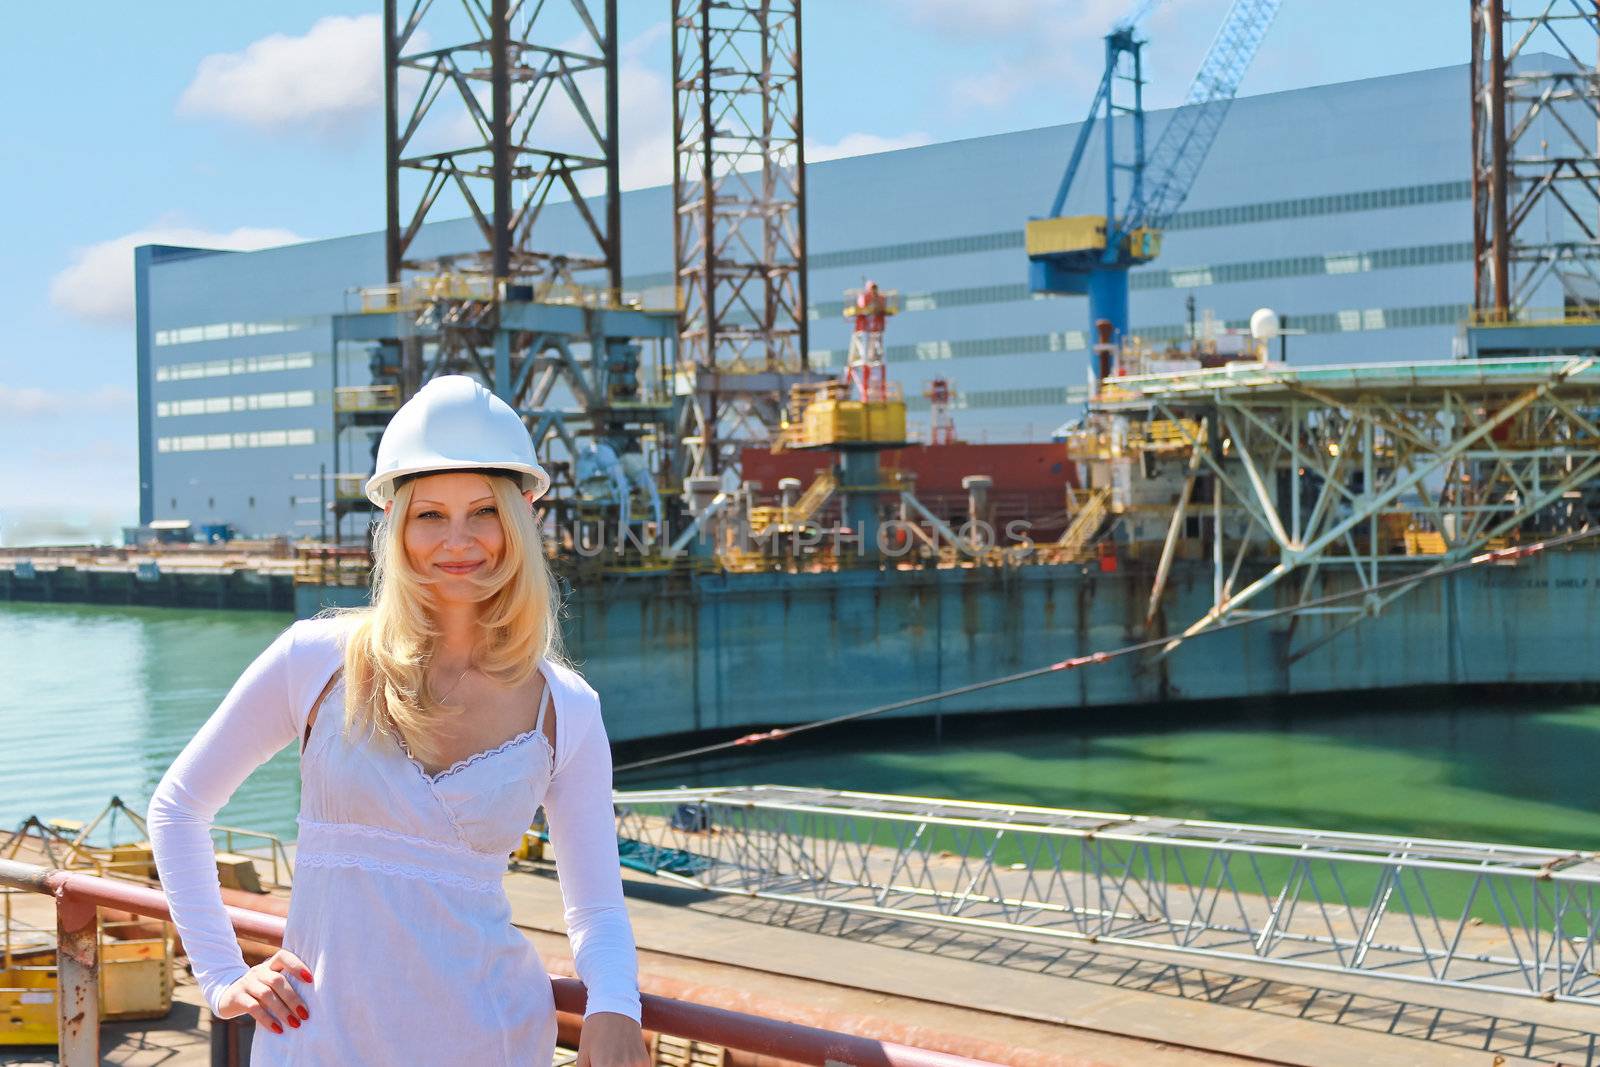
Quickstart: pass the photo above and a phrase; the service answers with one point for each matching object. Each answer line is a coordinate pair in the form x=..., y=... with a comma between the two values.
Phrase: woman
x=432, y=726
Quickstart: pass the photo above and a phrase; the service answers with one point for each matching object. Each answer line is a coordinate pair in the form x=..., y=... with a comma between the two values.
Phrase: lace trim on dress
x=463, y=764
x=368, y=830
x=401, y=870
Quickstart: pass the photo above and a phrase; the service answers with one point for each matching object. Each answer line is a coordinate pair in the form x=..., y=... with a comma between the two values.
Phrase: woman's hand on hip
x=611, y=1039
x=266, y=994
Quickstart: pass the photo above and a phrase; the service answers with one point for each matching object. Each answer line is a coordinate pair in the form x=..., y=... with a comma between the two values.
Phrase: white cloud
x=97, y=286
x=330, y=77
x=1003, y=18
x=995, y=87
x=1054, y=46
x=862, y=144
x=27, y=402
x=644, y=107
x=644, y=110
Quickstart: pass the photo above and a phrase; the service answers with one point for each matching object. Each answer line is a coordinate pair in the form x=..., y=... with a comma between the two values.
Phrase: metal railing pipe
x=78, y=895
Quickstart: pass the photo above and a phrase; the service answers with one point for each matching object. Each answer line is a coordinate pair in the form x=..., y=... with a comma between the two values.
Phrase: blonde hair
x=391, y=644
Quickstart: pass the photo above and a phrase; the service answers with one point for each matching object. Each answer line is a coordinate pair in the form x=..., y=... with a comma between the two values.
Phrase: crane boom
x=1092, y=253
x=1184, y=143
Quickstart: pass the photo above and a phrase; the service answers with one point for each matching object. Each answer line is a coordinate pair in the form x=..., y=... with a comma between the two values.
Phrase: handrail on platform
x=78, y=895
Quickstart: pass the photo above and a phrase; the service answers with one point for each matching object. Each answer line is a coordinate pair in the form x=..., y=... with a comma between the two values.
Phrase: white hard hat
x=453, y=423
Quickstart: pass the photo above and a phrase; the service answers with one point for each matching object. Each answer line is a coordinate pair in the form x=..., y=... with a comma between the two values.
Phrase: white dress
x=398, y=907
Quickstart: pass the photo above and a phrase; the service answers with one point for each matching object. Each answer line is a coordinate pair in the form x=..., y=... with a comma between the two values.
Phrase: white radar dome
x=1264, y=324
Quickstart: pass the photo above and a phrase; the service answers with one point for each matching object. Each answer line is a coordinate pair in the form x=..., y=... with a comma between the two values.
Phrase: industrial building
x=1345, y=207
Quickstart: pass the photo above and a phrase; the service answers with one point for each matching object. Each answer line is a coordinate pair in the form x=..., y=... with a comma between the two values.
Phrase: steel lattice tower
x=471, y=88
x=1535, y=175
x=495, y=109
x=739, y=236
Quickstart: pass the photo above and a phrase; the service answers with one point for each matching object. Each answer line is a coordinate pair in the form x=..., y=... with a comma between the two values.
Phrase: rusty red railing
x=77, y=895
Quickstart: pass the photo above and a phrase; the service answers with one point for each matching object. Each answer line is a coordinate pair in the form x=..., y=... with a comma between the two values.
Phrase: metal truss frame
x=1534, y=153
x=1459, y=914
x=739, y=210
x=1317, y=476
x=506, y=49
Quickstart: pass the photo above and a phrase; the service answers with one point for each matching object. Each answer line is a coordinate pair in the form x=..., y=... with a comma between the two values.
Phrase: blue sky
x=250, y=124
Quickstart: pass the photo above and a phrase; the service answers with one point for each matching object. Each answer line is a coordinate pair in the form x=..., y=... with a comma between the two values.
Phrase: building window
x=217, y=368
x=222, y=331
x=220, y=405
x=213, y=442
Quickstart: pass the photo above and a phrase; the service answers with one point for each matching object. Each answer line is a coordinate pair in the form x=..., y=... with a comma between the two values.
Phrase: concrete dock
x=1009, y=999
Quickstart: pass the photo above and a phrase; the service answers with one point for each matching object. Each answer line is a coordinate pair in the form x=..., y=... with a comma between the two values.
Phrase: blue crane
x=1078, y=254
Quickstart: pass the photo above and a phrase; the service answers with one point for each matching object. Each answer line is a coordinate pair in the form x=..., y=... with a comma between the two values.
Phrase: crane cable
x=1503, y=555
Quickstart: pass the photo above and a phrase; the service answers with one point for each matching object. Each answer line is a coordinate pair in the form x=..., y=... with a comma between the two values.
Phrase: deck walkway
x=1033, y=1003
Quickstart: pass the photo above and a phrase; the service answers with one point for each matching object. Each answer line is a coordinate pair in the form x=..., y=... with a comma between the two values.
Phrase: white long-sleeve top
x=382, y=838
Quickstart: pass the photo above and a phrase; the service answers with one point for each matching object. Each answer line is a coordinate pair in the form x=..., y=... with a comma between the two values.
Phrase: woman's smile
x=460, y=568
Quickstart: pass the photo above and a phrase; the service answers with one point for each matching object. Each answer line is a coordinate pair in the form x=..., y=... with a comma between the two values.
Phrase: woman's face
x=452, y=529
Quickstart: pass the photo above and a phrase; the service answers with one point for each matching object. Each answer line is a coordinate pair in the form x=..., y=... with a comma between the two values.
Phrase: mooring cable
x=1493, y=556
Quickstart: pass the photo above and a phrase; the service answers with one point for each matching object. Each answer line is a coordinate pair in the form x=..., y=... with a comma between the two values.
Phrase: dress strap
x=544, y=705
x=311, y=718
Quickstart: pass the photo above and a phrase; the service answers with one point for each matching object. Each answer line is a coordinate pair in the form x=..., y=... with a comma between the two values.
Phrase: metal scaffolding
x=1374, y=470
x=739, y=234
x=1444, y=913
x=1535, y=175
x=475, y=93
x=496, y=108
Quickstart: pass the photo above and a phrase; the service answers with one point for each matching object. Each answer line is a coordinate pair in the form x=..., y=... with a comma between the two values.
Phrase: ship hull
x=729, y=651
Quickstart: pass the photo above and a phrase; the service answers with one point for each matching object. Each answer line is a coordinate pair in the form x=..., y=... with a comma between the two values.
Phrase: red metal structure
x=78, y=895
x=941, y=424
x=1030, y=481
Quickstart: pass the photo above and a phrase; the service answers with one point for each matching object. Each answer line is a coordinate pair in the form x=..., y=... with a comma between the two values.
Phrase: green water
x=96, y=701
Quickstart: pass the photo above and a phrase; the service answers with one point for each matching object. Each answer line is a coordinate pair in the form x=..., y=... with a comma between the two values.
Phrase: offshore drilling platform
x=1274, y=529
x=741, y=495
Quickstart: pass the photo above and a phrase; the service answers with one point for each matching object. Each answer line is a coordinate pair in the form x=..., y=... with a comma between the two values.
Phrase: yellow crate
x=135, y=978
x=1070, y=233
x=134, y=860
x=28, y=1006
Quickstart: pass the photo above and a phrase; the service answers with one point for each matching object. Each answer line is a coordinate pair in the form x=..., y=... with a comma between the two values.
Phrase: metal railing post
x=78, y=971
x=230, y=1040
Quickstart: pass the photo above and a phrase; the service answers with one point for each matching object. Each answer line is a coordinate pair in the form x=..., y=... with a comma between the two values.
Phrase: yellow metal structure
x=826, y=422
x=828, y=414
x=1144, y=244
x=889, y=300
x=1425, y=543
x=1086, y=233
x=803, y=511
x=1165, y=435
x=1075, y=538
x=354, y=399
x=886, y=420
x=458, y=288
x=1069, y=233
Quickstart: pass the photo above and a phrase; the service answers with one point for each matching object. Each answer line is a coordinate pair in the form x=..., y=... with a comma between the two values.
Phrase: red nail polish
x=304, y=1014
x=306, y=975
x=277, y=1029
x=294, y=1022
